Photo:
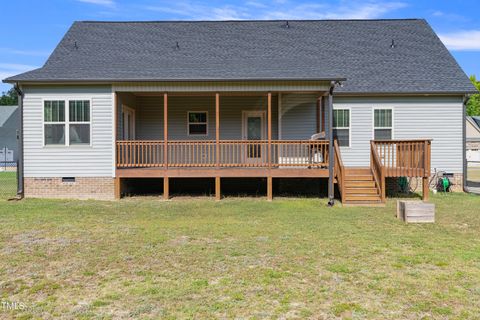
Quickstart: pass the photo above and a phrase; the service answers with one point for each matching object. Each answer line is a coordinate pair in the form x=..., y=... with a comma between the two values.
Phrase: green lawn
x=238, y=258
x=8, y=184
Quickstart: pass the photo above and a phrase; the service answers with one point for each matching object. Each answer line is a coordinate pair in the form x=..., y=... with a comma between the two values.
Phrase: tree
x=473, y=105
x=9, y=98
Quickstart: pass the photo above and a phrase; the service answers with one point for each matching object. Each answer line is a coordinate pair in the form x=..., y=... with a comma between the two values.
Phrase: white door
x=254, y=130
x=128, y=123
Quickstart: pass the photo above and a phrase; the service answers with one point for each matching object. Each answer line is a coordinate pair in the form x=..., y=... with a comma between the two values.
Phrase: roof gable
x=359, y=50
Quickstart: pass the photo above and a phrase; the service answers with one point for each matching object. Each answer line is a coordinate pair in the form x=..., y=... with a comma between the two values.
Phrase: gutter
x=20, y=174
x=464, y=142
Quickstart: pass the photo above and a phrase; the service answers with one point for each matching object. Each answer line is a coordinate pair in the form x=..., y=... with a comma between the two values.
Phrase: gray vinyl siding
x=149, y=116
x=298, y=116
x=437, y=118
x=58, y=161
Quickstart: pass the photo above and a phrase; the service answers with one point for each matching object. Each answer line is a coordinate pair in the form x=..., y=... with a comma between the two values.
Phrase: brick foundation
x=98, y=188
x=393, y=186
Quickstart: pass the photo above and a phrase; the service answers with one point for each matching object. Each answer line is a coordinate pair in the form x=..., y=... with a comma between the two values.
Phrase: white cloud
x=106, y=3
x=36, y=53
x=11, y=69
x=280, y=9
x=462, y=40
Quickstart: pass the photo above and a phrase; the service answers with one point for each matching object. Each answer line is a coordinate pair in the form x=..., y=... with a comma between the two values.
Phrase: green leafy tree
x=9, y=98
x=473, y=105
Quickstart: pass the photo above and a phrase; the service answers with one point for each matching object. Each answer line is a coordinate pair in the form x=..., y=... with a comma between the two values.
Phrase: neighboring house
x=9, y=124
x=123, y=100
x=473, y=139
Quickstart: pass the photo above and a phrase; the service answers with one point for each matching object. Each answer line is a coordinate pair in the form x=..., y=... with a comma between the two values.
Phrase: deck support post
x=269, y=126
x=331, y=150
x=425, y=191
x=166, y=188
x=269, y=189
x=217, y=130
x=218, y=195
x=118, y=188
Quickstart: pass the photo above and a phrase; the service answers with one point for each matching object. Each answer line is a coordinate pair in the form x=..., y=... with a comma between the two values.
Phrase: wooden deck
x=275, y=159
x=388, y=158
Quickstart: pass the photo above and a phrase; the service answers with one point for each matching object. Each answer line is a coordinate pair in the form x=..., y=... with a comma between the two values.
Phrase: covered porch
x=222, y=135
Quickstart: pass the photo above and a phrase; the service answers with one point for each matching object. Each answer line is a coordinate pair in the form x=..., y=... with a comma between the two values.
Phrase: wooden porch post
x=218, y=195
x=269, y=126
x=117, y=192
x=269, y=188
x=217, y=129
x=165, y=130
x=118, y=188
x=426, y=174
x=269, y=148
x=166, y=191
x=331, y=150
x=217, y=144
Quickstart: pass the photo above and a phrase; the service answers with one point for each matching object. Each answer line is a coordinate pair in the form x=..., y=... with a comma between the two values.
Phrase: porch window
x=54, y=122
x=197, y=123
x=79, y=118
x=341, y=126
x=383, y=119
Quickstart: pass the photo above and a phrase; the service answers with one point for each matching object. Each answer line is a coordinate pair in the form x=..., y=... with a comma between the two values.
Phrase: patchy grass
x=8, y=184
x=244, y=258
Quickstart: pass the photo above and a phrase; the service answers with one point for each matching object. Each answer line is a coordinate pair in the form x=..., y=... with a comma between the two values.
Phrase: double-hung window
x=54, y=122
x=66, y=126
x=341, y=126
x=79, y=122
x=383, y=124
x=197, y=123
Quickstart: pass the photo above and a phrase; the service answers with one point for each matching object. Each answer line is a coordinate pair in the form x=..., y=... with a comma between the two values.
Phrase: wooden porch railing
x=404, y=158
x=378, y=170
x=231, y=153
x=339, y=170
x=400, y=158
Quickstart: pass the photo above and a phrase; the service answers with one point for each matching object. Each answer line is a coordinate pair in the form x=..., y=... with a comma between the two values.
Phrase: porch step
x=363, y=197
x=361, y=183
x=363, y=177
x=361, y=191
x=360, y=188
x=357, y=171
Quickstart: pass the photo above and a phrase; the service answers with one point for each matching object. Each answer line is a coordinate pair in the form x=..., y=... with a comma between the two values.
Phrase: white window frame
x=349, y=126
x=188, y=124
x=373, y=121
x=67, y=122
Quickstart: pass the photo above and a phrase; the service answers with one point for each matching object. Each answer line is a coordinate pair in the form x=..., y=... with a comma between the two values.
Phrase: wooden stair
x=360, y=188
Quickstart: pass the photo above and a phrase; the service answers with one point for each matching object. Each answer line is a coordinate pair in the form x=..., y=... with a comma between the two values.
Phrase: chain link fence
x=8, y=180
x=473, y=176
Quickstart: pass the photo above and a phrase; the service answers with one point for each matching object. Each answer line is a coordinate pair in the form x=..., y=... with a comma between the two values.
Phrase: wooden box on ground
x=416, y=211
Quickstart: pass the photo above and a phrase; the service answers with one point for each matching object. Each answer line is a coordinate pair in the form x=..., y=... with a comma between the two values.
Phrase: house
x=473, y=140
x=242, y=99
x=9, y=124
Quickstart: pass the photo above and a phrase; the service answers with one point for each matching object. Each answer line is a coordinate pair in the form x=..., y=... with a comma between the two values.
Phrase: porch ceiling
x=224, y=86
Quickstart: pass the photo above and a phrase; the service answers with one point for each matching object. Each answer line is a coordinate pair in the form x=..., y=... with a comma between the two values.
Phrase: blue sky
x=30, y=30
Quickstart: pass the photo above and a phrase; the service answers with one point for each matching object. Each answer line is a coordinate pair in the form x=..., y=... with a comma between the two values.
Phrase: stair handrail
x=339, y=170
x=378, y=170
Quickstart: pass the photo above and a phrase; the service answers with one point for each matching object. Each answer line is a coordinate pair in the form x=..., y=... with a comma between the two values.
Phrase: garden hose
x=403, y=184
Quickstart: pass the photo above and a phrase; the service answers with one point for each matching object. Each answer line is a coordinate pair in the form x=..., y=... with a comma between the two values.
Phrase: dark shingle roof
x=358, y=50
